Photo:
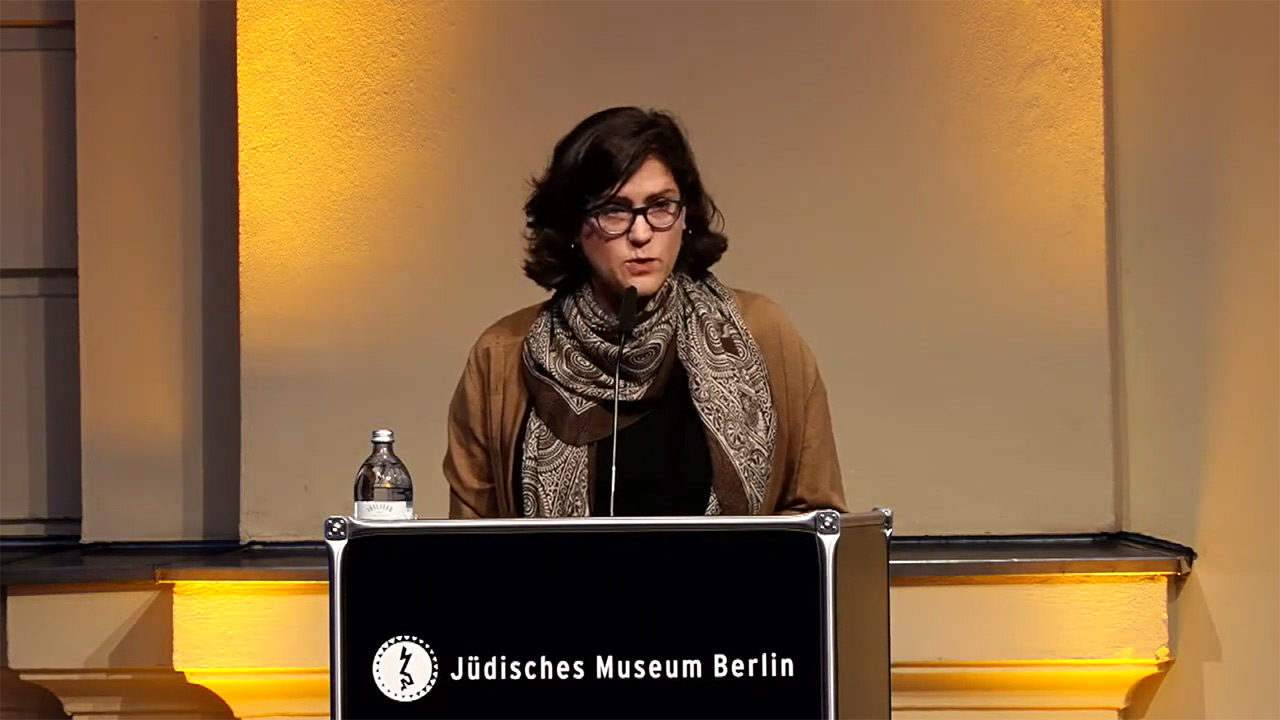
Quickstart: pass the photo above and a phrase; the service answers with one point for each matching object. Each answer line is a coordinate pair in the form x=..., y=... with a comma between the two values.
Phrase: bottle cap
x=383, y=436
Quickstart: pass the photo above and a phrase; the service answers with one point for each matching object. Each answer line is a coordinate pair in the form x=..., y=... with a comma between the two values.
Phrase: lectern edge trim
x=339, y=527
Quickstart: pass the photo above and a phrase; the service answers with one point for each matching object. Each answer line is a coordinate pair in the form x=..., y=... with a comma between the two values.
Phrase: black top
x=664, y=466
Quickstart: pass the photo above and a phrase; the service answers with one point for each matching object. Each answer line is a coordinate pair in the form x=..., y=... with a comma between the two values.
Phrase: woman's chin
x=646, y=285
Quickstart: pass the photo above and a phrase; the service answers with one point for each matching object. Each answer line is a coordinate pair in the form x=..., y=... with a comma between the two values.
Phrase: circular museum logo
x=405, y=668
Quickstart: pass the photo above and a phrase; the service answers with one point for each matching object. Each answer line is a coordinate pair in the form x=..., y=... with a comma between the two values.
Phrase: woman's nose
x=641, y=233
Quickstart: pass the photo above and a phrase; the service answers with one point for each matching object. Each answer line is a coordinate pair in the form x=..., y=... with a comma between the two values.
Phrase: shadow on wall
x=1195, y=643
x=21, y=700
x=61, y=483
x=124, y=677
x=220, y=269
x=165, y=688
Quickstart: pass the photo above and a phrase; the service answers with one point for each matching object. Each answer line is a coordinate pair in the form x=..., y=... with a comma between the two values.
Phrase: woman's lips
x=641, y=266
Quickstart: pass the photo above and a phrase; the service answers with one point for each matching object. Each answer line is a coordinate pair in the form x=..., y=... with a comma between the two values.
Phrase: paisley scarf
x=569, y=357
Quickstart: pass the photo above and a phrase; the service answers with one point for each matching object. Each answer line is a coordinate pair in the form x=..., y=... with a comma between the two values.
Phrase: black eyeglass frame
x=636, y=212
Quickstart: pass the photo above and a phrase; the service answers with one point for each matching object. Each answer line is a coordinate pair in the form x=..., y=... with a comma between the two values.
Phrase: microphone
x=626, y=323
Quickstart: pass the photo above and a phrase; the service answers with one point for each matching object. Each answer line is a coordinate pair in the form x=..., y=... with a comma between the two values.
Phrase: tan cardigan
x=490, y=402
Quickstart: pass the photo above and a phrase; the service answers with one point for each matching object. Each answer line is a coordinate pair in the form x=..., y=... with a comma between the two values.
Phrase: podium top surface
x=823, y=522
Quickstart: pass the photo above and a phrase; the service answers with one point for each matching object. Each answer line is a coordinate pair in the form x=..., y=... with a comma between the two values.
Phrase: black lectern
x=729, y=617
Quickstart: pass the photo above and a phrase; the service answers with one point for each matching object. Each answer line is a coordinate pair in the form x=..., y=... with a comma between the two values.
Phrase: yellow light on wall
x=261, y=646
x=331, y=113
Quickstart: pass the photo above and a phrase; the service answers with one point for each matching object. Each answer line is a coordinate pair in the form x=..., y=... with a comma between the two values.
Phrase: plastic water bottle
x=384, y=490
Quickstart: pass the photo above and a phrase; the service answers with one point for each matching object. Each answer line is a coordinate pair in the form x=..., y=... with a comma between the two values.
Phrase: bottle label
x=384, y=510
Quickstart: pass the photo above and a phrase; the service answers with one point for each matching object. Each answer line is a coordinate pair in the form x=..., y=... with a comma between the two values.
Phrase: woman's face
x=645, y=254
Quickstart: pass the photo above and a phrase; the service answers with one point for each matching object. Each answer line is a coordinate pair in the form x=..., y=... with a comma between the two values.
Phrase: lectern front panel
x=672, y=623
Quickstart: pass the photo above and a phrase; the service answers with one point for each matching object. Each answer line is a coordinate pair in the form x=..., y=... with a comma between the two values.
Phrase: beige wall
x=1196, y=93
x=156, y=148
x=943, y=192
x=919, y=184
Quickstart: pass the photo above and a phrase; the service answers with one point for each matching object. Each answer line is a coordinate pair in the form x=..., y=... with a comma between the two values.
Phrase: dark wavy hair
x=588, y=165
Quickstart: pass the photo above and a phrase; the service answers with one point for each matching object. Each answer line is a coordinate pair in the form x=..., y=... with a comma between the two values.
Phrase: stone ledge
x=29, y=562
x=1016, y=687
x=156, y=693
x=961, y=646
x=259, y=693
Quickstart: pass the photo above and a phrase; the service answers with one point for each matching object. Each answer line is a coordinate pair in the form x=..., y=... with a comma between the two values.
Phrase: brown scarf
x=569, y=357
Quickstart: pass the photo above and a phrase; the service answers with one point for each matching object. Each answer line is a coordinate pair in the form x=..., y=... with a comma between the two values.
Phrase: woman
x=722, y=408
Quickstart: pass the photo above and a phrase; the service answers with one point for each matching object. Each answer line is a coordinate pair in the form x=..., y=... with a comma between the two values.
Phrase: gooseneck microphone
x=626, y=323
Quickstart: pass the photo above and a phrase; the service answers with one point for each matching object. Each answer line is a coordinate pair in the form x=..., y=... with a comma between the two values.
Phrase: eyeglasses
x=616, y=220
